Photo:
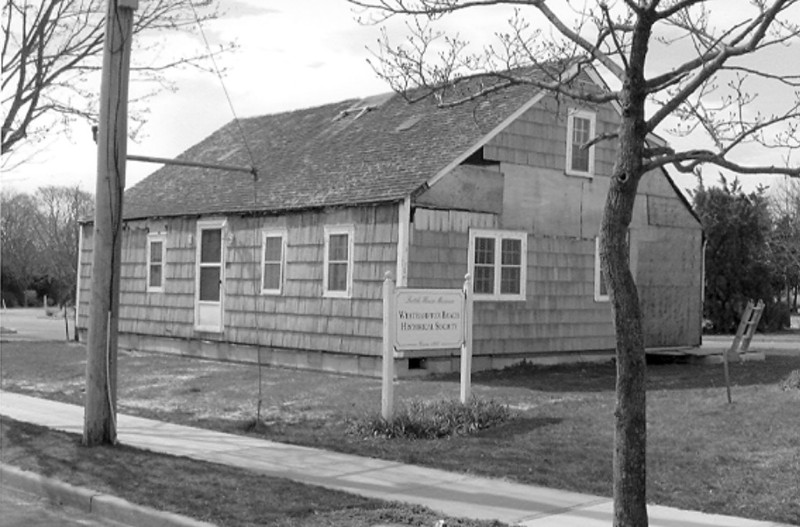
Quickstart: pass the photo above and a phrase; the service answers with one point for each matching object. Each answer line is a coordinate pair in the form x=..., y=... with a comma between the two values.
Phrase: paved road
x=20, y=509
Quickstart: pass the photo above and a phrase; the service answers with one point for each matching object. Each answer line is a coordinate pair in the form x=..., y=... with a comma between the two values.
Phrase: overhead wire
x=256, y=244
x=218, y=73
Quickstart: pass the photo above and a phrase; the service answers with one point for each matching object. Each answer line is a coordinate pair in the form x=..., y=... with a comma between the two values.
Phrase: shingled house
x=287, y=268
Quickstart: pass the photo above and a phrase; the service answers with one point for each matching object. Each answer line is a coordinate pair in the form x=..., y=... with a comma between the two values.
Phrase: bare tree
x=785, y=238
x=52, y=51
x=40, y=238
x=57, y=227
x=19, y=245
x=549, y=46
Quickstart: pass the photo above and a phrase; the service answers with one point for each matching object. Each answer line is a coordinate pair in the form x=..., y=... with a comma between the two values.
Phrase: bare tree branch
x=53, y=48
x=704, y=85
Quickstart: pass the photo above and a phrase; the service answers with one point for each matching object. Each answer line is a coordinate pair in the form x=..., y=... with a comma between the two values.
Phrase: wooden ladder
x=747, y=327
x=744, y=334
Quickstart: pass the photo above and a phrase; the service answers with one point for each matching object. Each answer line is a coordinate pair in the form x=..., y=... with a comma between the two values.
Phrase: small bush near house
x=433, y=420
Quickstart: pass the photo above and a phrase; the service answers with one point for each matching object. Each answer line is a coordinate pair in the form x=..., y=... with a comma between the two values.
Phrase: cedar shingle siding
x=495, y=164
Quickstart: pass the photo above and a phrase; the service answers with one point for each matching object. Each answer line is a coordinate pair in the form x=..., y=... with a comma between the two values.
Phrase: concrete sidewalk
x=450, y=493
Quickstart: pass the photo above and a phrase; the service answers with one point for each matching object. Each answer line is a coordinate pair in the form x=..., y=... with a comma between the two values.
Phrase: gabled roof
x=352, y=152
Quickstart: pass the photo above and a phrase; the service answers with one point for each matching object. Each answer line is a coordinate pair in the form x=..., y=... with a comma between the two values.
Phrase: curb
x=103, y=505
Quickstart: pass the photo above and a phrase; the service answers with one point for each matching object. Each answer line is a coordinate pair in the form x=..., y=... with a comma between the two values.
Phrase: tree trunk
x=630, y=433
x=630, y=413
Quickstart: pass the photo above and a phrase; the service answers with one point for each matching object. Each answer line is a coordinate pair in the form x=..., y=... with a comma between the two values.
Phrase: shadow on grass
x=601, y=377
x=206, y=491
x=517, y=426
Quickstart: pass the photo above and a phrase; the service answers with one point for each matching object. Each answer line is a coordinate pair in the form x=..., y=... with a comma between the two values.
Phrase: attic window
x=408, y=123
x=580, y=130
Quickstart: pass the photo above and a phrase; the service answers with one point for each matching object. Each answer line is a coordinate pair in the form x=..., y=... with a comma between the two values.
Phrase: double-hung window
x=498, y=264
x=156, y=252
x=600, y=284
x=338, y=270
x=273, y=259
x=580, y=130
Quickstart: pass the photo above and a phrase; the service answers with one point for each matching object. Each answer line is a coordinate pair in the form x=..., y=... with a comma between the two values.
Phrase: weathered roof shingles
x=308, y=158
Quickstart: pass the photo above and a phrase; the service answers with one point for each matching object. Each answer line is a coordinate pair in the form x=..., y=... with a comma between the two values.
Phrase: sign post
x=387, y=388
x=423, y=319
x=466, y=346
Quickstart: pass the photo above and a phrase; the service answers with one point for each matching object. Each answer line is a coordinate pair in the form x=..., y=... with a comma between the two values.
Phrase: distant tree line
x=753, y=252
x=39, y=235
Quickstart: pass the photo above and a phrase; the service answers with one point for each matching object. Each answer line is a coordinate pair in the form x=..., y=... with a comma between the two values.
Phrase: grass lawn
x=740, y=459
x=206, y=491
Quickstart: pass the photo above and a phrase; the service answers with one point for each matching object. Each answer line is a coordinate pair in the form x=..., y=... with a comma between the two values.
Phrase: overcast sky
x=292, y=54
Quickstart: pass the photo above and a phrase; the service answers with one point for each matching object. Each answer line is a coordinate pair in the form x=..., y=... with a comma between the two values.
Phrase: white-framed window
x=273, y=260
x=580, y=130
x=338, y=270
x=156, y=261
x=600, y=284
x=498, y=264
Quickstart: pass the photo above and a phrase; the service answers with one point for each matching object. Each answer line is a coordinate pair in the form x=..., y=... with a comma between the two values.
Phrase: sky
x=291, y=54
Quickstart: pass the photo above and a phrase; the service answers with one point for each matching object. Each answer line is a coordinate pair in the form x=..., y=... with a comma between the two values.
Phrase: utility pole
x=99, y=426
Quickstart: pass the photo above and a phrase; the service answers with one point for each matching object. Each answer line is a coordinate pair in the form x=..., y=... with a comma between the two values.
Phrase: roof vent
x=225, y=156
x=357, y=110
x=365, y=105
x=408, y=123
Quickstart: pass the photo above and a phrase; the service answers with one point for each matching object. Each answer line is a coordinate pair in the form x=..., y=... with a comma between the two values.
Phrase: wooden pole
x=101, y=362
x=195, y=164
x=466, y=347
x=387, y=386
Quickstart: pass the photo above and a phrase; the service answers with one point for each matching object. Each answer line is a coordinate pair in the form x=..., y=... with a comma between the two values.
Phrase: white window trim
x=597, y=274
x=498, y=236
x=156, y=237
x=330, y=230
x=273, y=233
x=597, y=270
x=584, y=114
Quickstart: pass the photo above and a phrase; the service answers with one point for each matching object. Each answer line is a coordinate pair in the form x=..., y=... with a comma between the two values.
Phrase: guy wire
x=256, y=245
x=224, y=88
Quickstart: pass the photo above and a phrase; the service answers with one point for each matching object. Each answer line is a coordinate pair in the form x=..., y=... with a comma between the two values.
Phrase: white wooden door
x=210, y=276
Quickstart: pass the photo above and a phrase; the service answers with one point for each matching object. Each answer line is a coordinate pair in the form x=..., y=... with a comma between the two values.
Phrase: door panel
x=210, y=265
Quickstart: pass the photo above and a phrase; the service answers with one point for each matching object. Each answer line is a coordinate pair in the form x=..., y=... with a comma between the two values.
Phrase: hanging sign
x=429, y=318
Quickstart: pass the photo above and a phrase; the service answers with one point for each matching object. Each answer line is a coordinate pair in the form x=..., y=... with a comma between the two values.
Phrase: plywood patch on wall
x=452, y=220
x=668, y=212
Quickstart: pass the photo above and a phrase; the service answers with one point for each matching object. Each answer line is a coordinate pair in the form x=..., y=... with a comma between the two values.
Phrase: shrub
x=433, y=420
x=776, y=316
x=792, y=382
